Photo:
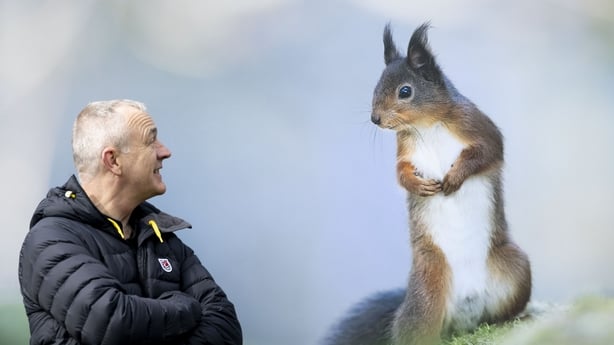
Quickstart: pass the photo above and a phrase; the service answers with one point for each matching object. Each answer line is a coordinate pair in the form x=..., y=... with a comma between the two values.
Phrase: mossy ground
x=484, y=335
x=588, y=321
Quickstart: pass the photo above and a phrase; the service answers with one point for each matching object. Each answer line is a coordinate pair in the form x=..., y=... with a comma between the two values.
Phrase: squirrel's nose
x=376, y=119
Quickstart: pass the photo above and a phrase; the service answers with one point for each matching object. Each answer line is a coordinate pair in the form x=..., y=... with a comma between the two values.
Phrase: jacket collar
x=71, y=201
x=151, y=221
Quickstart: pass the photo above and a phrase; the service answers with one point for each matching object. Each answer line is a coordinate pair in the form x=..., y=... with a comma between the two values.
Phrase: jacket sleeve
x=62, y=279
x=219, y=324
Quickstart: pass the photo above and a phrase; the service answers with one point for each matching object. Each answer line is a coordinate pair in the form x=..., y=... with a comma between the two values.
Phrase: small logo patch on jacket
x=166, y=264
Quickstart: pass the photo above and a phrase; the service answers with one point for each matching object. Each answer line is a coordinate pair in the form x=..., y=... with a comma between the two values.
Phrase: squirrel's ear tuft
x=419, y=55
x=391, y=52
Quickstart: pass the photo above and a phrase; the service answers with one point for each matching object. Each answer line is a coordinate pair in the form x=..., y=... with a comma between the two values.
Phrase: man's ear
x=110, y=160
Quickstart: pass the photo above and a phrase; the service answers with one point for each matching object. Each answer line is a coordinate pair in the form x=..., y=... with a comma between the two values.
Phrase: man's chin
x=159, y=190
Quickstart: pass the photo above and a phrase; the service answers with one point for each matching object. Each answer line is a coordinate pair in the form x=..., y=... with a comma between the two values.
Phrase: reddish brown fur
x=508, y=263
x=484, y=148
x=409, y=178
x=411, y=95
x=433, y=99
x=425, y=301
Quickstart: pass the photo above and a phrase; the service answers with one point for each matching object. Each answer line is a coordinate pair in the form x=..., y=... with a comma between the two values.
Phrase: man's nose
x=163, y=151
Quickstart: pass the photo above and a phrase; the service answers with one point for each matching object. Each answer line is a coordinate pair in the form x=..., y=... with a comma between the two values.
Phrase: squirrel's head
x=412, y=88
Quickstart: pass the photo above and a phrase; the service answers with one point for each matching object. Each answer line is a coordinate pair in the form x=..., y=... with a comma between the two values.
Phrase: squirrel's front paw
x=421, y=186
x=451, y=183
x=429, y=187
x=412, y=180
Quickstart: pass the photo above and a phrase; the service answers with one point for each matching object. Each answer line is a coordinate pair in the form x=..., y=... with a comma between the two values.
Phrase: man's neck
x=106, y=195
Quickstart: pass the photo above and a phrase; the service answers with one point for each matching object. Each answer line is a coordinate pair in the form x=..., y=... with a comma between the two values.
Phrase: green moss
x=589, y=320
x=485, y=334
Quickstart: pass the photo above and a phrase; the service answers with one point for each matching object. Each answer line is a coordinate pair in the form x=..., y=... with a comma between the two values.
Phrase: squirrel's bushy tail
x=369, y=322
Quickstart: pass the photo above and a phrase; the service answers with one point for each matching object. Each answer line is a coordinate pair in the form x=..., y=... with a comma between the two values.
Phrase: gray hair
x=100, y=124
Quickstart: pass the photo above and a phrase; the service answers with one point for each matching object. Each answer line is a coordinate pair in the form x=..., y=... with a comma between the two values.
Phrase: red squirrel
x=465, y=268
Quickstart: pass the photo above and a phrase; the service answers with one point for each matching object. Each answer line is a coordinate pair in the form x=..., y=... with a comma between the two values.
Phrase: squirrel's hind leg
x=420, y=319
x=510, y=271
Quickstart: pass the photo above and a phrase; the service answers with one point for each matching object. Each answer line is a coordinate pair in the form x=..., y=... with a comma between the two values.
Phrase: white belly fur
x=460, y=224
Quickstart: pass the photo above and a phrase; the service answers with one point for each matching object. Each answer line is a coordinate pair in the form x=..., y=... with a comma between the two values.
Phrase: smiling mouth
x=157, y=171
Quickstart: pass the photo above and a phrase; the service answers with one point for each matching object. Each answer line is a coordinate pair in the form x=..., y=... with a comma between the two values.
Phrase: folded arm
x=60, y=279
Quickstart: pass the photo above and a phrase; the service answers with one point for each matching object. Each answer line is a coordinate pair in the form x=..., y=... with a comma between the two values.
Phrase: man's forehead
x=139, y=119
x=141, y=124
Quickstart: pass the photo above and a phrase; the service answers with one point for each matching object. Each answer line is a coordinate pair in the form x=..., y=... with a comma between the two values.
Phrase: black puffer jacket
x=83, y=284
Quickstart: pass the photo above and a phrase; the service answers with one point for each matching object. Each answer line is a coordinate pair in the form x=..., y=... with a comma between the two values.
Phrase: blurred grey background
x=265, y=105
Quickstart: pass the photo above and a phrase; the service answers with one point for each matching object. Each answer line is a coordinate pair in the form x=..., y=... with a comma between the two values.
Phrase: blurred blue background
x=265, y=105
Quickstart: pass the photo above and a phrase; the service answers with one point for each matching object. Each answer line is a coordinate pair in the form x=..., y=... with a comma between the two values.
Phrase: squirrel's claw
x=429, y=187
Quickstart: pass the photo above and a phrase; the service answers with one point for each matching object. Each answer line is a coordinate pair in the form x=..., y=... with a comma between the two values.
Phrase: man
x=100, y=265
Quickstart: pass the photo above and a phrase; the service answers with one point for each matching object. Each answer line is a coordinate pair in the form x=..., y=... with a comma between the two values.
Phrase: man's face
x=143, y=160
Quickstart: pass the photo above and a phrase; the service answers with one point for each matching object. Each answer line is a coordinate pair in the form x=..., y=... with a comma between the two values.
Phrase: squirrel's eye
x=405, y=91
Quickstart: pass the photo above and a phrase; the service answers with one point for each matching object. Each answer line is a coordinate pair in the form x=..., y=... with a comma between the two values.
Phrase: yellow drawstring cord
x=156, y=230
x=118, y=228
x=153, y=224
